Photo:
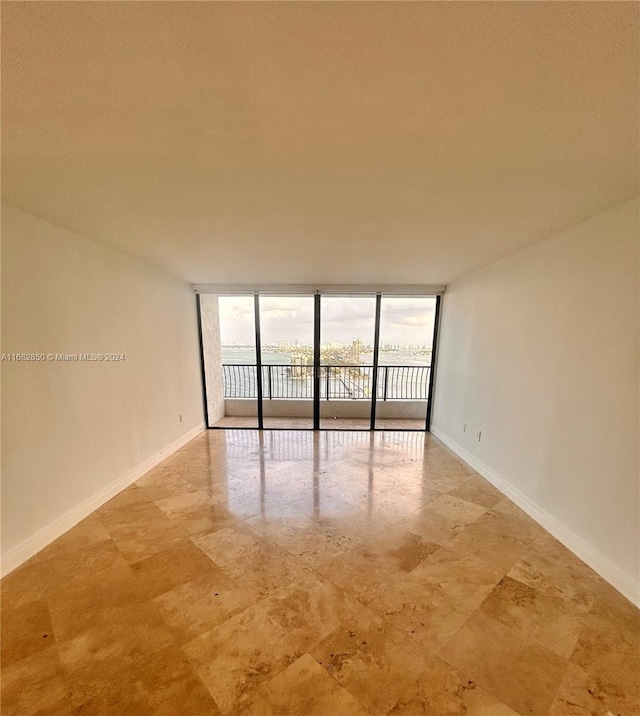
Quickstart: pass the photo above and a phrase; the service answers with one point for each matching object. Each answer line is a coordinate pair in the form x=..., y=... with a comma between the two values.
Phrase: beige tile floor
x=314, y=574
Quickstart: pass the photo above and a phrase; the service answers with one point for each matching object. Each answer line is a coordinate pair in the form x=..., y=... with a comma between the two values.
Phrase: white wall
x=539, y=351
x=72, y=429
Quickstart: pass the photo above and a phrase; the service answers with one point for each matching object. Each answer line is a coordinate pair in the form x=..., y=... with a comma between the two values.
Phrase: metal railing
x=337, y=382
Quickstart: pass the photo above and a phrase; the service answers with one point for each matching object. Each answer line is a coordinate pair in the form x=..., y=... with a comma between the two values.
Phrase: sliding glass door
x=347, y=331
x=286, y=340
x=229, y=359
x=328, y=362
x=404, y=362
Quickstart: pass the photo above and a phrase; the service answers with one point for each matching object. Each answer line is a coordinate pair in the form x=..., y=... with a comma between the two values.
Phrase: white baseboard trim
x=569, y=539
x=58, y=527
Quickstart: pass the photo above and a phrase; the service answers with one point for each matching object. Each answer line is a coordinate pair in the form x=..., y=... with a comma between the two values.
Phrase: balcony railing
x=337, y=382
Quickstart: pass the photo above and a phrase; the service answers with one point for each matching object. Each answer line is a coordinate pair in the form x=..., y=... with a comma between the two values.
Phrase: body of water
x=240, y=355
x=409, y=382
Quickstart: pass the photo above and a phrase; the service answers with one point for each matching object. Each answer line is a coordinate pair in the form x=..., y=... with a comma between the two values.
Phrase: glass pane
x=346, y=356
x=406, y=334
x=286, y=332
x=236, y=353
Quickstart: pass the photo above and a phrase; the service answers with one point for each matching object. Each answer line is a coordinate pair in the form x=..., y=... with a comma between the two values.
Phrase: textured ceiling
x=319, y=142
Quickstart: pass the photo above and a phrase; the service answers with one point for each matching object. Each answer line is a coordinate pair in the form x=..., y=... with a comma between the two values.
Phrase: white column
x=212, y=356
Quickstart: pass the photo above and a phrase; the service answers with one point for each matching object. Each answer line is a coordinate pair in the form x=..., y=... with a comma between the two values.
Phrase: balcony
x=345, y=395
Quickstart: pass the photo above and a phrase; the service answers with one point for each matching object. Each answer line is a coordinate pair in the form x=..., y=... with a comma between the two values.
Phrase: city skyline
x=290, y=346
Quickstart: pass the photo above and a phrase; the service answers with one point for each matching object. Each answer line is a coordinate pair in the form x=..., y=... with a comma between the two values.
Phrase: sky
x=284, y=319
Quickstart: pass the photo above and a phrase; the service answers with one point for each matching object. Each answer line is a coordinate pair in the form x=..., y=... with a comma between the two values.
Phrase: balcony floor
x=325, y=423
x=290, y=572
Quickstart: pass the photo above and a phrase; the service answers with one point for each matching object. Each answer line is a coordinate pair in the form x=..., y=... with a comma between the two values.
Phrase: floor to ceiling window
x=229, y=357
x=404, y=362
x=347, y=334
x=286, y=341
x=318, y=361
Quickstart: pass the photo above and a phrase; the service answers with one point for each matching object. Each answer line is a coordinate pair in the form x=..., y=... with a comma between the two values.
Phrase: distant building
x=354, y=351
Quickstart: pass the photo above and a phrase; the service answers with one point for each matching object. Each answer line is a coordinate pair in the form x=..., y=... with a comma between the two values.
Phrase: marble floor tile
x=610, y=649
x=87, y=604
x=206, y=477
x=169, y=685
x=592, y=693
x=236, y=422
x=131, y=514
x=309, y=609
x=441, y=689
x=204, y=520
x=517, y=515
x=125, y=638
x=521, y=674
x=88, y=531
x=174, y=566
x=227, y=546
x=464, y=578
x=163, y=684
x=375, y=564
x=186, y=502
x=550, y=621
x=249, y=504
x=328, y=574
x=138, y=539
x=36, y=686
x=235, y=658
x=201, y=604
x=318, y=505
x=443, y=480
x=610, y=605
x=22, y=586
x=315, y=543
x=477, y=490
x=70, y=568
x=399, y=547
x=125, y=522
x=245, y=556
x=349, y=492
x=268, y=570
x=457, y=509
x=285, y=529
x=496, y=547
x=162, y=476
x=507, y=518
x=422, y=610
x=434, y=526
x=386, y=508
x=131, y=497
x=372, y=659
x=25, y=630
x=302, y=689
x=557, y=576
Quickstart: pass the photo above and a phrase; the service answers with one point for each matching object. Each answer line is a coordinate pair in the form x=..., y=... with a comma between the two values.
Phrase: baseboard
x=569, y=539
x=55, y=529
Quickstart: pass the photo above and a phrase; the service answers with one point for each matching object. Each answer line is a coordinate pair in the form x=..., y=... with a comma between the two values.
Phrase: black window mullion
x=376, y=351
x=316, y=362
x=434, y=348
x=203, y=372
x=256, y=308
